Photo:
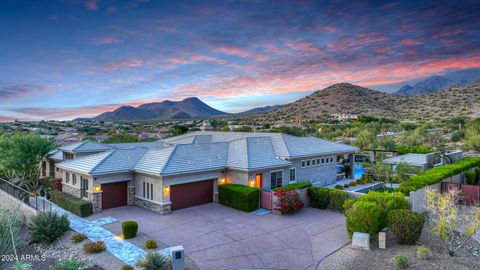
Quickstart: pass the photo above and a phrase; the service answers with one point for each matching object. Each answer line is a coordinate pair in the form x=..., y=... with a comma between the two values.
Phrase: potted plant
x=47, y=193
x=42, y=192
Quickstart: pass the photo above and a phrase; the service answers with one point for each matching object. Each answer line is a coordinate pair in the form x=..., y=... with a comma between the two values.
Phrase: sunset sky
x=66, y=59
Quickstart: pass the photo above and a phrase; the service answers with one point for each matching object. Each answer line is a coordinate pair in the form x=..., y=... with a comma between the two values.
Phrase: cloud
x=18, y=91
x=124, y=64
x=106, y=41
x=91, y=5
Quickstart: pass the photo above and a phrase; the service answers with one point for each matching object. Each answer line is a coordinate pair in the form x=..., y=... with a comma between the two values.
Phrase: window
x=292, y=175
x=308, y=163
x=67, y=177
x=318, y=161
x=143, y=189
x=151, y=191
x=323, y=161
x=74, y=179
x=276, y=179
x=148, y=190
x=331, y=159
x=303, y=163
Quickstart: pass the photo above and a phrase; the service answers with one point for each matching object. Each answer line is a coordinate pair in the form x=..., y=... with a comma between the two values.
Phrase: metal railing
x=28, y=198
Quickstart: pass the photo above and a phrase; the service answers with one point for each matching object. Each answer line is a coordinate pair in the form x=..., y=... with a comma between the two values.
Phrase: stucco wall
x=237, y=177
x=157, y=186
x=325, y=174
x=13, y=204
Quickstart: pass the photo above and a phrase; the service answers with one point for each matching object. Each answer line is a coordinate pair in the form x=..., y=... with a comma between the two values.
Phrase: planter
x=42, y=192
x=303, y=194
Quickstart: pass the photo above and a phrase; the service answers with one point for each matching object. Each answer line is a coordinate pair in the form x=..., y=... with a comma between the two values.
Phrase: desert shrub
x=240, y=197
x=294, y=186
x=437, y=174
x=406, y=225
x=94, y=247
x=470, y=177
x=417, y=149
x=70, y=203
x=352, y=184
x=19, y=265
x=337, y=199
x=151, y=244
x=423, y=253
x=154, y=261
x=69, y=264
x=9, y=229
x=400, y=262
x=78, y=237
x=319, y=197
x=127, y=267
x=338, y=187
x=387, y=202
x=129, y=229
x=362, y=216
x=289, y=201
x=46, y=227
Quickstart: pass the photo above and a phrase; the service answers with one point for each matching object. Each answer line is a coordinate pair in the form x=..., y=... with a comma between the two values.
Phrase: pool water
x=358, y=171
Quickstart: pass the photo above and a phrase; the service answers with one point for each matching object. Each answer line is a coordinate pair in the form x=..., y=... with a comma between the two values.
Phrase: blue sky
x=67, y=59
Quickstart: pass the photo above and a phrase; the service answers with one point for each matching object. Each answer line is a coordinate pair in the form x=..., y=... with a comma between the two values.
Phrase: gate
x=266, y=199
x=470, y=193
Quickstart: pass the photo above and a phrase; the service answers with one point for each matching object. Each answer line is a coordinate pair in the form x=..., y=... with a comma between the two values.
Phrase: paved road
x=218, y=237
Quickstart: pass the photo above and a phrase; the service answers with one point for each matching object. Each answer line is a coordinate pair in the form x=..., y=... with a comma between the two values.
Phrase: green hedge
x=129, y=229
x=406, y=225
x=471, y=177
x=70, y=203
x=322, y=198
x=295, y=186
x=437, y=174
x=240, y=197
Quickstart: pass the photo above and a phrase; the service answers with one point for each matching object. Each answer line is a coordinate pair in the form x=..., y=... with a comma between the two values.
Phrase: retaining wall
x=11, y=203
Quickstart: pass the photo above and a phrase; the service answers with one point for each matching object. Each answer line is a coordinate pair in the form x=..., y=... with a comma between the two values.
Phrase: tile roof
x=85, y=146
x=200, y=151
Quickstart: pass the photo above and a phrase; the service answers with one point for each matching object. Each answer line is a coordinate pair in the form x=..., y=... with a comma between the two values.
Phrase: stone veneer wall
x=71, y=190
x=96, y=199
x=162, y=209
x=131, y=195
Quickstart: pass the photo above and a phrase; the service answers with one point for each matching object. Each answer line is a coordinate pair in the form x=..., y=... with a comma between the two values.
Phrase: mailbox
x=177, y=255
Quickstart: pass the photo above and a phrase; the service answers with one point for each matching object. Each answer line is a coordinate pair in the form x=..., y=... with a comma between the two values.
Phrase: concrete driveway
x=218, y=237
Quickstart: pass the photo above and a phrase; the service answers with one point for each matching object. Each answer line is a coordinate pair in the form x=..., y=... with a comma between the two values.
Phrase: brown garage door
x=114, y=195
x=191, y=194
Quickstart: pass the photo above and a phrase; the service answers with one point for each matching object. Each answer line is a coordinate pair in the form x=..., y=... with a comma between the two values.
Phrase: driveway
x=218, y=237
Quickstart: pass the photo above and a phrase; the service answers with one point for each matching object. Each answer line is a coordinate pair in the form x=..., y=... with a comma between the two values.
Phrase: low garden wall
x=15, y=205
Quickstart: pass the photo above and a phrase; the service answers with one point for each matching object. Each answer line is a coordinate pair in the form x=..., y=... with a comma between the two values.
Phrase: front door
x=258, y=180
x=83, y=187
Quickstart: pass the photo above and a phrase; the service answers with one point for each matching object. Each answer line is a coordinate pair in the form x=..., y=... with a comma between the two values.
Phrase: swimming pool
x=358, y=171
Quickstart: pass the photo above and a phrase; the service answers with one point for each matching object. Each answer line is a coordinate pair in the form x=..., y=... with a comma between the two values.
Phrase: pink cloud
x=91, y=5
x=328, y=29
x=123, y=64
x=106, y=41
x=240, y=52
x=411, y=42
x=305, y=47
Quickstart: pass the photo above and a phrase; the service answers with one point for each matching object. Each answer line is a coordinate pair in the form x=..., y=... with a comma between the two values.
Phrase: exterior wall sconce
x=166, y=190
x=222, y=180
x=97, y=188
x=252, y=183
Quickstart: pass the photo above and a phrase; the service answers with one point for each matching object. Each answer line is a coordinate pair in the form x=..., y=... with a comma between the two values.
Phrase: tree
x=21, y=155
x=244, y=129
x=122, y=138
x=366, y=139
x=177, y=130
x=472, y=139
x=453, y=224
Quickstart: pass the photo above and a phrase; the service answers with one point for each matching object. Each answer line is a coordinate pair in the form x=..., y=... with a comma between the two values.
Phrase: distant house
x=185, y=170
x=206, y=126
x=424, y=161
x=343, y=116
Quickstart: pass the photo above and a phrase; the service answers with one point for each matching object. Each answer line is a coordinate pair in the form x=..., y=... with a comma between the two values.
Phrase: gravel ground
x=378, y=259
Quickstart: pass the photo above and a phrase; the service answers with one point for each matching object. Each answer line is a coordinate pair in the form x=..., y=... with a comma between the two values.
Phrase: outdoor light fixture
x=222, y=181
x=252, y=183
x=97, y=188
x=166, y=190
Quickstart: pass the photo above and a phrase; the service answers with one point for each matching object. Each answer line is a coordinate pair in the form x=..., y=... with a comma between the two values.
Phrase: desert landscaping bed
x=380, y=259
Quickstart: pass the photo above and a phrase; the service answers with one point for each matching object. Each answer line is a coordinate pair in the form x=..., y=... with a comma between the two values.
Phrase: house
x=421, y=162
x=185, y=170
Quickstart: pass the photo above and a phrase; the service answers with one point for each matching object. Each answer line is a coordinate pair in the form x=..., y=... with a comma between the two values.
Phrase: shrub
x=154, y=261
x=70, y=264
x=477, y=174
x=9, y=230
x=340, y=187
x=362, y=216
x=437, y=174
x=70, y=203
x=470, y=177
x=239, y=197
x=127, y=267
x=47, y=182
x=352, y=184
x=129, y=229
x=289, y=201
x=387, y=202
x=19, y=265
x=400, y=262
x=94, y=247
x=337, y=199
x=298, y=185
x=46, y=227
x=319, y=197
x=151, y=244
x=78, y=237
x=423, y=253
x=406, y=225
x=57, y=184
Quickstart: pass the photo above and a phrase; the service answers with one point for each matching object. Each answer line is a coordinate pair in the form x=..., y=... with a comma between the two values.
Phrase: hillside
x=352, y=99
x=187, y=108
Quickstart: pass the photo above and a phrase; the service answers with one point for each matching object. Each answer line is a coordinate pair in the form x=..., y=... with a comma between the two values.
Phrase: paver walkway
x=218, y=237
x=124, y=250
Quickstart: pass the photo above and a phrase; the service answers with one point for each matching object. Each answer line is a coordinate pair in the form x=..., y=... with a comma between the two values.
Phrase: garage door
x=114, y=195
x=191, y=194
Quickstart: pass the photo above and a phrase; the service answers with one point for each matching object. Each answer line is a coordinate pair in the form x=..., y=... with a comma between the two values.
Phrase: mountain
x=429, y=85
x=262, y=109
x=187, y=108
x=351, y=99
